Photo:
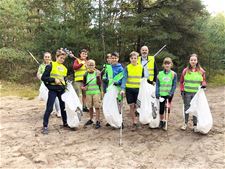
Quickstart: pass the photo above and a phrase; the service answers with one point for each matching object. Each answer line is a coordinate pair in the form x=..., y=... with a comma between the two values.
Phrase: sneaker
x=161, y=124
x=135, y=127
x=136, y=114
x=97, y=125
x=58, y=114
x=67, y=127
x=195, y=129
x=45, y=130
x=122, y=126
x=89, y=122
x=184, y=127
x=85, y=109
x=107, y=125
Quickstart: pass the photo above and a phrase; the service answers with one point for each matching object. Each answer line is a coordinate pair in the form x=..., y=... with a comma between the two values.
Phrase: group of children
x=89, y=82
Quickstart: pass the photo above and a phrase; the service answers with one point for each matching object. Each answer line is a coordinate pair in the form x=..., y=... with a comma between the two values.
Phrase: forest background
x=102, y=27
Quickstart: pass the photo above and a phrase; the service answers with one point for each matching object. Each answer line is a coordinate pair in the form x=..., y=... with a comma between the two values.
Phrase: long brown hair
x=198, y=66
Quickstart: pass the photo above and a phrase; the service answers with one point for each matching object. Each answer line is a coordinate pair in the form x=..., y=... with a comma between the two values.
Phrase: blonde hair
x=167, y=60
x=91, y=61
x=108, y=55
x=134, y=53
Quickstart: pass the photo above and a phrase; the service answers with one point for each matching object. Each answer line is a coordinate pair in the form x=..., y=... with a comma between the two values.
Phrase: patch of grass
x=14, y=89
x=217, y=80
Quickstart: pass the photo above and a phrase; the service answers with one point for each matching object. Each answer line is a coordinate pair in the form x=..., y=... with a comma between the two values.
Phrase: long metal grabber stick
x=160, y=50
x=33, y=57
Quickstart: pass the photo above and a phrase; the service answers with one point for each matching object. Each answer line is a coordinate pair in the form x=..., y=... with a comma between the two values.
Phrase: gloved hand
x=150, y=82
x=203, y=87
x=157, y=97
x=169, y=97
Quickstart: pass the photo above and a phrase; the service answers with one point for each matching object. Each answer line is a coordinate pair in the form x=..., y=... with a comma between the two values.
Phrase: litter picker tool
x=167, y=109
x=33, y=57
x=69, y=53
x=160, y=50
x=121, y=107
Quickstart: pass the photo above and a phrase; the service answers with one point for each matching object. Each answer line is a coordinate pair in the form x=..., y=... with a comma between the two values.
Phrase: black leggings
x=162, y=104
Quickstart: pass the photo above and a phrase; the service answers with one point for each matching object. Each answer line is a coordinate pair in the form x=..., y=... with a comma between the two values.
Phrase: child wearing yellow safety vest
x=46, y=61
x=92, y=85
x=54, y=79
x=165, y=87
x=131, y=83
x=79, y=67
x=192, y=77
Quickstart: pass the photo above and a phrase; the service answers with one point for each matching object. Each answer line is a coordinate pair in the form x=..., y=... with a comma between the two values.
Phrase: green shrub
x=218, y=79
x=17, y=66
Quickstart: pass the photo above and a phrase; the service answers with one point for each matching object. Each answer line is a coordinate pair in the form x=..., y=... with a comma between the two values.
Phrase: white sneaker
x=195, y=129
x=184, y=127
x=58, y=114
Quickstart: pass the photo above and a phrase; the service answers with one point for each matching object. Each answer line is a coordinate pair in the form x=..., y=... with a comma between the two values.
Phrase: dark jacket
x=47, y=80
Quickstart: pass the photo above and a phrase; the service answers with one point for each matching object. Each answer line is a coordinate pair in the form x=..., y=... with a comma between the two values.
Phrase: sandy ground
x=23, y=146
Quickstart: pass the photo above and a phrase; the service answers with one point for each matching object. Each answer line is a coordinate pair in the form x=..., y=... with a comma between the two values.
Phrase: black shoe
x=136, y=114
x=122, y=126
x=107, y=125
x=85, y=109
x=135, y=127
x=89, y=122
x=67, y=127
x=97, y=125
x=164, y=124
x=161, y=124
x=44, y=130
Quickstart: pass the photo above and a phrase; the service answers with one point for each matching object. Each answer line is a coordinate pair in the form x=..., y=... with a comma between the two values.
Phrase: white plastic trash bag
x=43, y=92
x=148, y=104
x=200, y=108
x=110, y=107
x=73, y=106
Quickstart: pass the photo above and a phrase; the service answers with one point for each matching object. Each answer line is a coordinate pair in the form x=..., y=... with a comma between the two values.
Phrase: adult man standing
x=149, y=65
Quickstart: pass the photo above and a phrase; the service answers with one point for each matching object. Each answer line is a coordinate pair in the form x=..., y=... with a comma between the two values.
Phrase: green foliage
x=14, y=89
x=106, y=26
x=17, y=66
x=213, y=48
x=218, y=78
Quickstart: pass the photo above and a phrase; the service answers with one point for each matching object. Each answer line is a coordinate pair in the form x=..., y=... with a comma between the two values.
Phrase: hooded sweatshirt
x=117, y=68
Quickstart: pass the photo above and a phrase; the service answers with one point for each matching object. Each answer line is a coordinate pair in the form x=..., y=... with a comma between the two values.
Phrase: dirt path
x=23, y=146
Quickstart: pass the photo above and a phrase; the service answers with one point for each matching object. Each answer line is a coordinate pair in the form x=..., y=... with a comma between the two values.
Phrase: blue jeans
x=49, y=107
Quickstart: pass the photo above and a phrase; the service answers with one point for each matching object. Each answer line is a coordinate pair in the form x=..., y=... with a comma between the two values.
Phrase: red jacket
x=77, y=65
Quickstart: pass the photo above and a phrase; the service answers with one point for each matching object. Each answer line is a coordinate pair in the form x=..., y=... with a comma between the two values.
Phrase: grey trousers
x=187, y=99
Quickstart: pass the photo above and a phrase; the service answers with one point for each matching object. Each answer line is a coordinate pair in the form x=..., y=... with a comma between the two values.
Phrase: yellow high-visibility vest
x=79, y=73
x=150, y=66
x=134, y=75
x=59, y=71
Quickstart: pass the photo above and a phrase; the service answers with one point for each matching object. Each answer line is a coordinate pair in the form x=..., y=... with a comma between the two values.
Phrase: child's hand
x=57, y=81
x=83, y=87
x=83, y=62
x=122, y=93
x=71, y=54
